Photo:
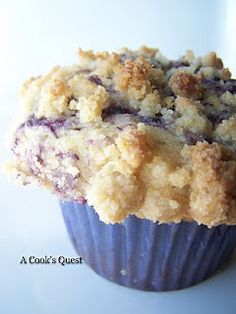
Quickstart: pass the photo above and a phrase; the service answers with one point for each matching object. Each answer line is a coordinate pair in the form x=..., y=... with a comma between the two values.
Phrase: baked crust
x=133, y=133
x=186, y=84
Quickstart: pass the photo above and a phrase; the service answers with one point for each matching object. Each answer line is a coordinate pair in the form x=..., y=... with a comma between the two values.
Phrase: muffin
x=141, y=153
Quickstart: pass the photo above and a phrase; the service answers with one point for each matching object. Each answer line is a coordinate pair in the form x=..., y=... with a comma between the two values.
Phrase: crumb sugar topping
x=132, y=132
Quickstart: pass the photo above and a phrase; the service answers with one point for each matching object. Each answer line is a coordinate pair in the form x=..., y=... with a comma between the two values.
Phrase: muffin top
x=132, y=132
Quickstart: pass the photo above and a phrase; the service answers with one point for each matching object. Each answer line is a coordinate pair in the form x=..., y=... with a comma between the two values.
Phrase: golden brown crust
x=133, y=74
x=134, y=146
x=186, y=85
x=213, y=183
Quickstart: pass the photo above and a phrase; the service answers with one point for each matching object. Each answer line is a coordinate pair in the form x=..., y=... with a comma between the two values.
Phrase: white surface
x=34, y=35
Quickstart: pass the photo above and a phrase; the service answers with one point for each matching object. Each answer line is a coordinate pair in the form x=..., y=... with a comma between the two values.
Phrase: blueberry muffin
x=141, y=152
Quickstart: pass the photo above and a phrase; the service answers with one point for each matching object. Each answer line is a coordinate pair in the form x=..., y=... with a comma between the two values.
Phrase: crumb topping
x=186, y=84
x=132, y=132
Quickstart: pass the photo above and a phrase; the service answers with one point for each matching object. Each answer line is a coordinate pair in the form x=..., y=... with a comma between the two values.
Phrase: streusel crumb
x=132, y=132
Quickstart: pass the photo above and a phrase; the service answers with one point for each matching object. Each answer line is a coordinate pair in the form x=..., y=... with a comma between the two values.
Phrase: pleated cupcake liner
x=144, y=255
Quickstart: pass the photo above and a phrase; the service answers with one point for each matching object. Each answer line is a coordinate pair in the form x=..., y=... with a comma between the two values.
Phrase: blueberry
x=52, y=124
x=155, y=121
x=179, y=63
x=230, y=86
x=95, y=79
x=71, y=155
x=219, y=116
x=220, y=87
x=192, y=138
x=113, y=110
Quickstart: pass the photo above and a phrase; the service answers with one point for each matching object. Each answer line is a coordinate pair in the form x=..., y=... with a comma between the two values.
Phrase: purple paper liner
x=144, y=255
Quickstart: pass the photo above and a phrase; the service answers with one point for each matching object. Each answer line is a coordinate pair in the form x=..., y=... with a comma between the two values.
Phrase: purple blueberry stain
x=230, y=86
x=41, y=148
x=192, y=138
x=220, y=87
x=32, y=160
x=179, y=64
x=111, y=89
x=114, y=110
x=52, y=124
x=95, y=79
x=71, y=155
x=64, y=182
x=158, y=121
x=74, y=156
x=217, y=117
x=16, y=142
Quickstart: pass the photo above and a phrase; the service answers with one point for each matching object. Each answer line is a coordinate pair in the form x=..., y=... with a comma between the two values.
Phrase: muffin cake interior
x=133, y=133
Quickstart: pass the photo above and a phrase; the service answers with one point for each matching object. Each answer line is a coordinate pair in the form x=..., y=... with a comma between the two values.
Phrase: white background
x=35, y=35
